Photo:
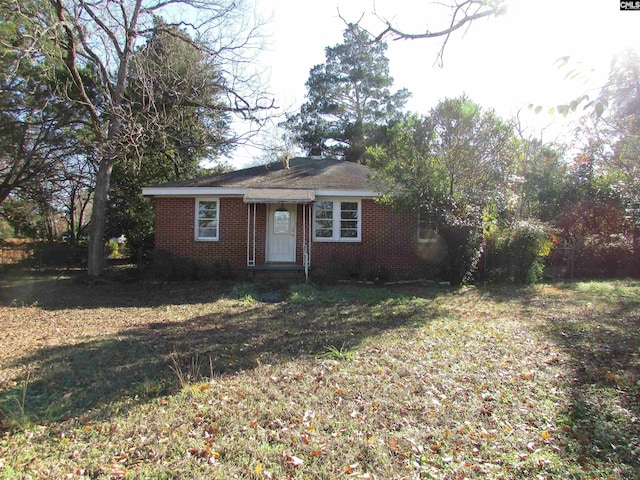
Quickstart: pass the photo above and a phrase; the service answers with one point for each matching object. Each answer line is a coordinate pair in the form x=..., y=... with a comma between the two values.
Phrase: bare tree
x=102, y=36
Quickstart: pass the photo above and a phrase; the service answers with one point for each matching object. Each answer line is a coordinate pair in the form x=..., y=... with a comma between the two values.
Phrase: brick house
x=320, y=216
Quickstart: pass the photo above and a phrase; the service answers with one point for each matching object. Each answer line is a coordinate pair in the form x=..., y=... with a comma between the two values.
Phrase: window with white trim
x=337, y=221
x=207, y=216
x=427, y=225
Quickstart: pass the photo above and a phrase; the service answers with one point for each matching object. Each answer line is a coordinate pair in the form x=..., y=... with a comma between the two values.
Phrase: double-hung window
x=207, y=219
x=337, y=221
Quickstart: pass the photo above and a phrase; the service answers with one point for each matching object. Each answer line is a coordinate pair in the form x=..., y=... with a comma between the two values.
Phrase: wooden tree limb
x=463, y=14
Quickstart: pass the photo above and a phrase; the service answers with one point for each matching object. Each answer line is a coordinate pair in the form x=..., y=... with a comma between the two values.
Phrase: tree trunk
x=96, y=265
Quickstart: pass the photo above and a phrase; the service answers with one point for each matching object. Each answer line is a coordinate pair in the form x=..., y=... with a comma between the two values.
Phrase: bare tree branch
x=463, y=13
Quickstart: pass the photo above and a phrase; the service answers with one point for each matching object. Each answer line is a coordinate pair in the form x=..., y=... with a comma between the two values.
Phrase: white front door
x=281, y=233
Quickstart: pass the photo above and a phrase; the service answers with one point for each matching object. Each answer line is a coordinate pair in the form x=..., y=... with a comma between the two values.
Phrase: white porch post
x=251, y=235
x=306, y=240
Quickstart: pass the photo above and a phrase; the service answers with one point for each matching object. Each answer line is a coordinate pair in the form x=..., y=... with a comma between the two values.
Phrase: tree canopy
x=349, y=98
x=459, y=154
x=38, y=127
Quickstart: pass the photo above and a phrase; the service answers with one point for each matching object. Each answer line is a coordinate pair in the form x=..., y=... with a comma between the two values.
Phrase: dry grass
x=202, y=380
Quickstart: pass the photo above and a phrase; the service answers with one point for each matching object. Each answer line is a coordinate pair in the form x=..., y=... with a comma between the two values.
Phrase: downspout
x=305, y=248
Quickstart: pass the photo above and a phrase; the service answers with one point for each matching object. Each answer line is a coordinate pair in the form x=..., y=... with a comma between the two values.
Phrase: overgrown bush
x=339, y=268
x=64, y=255
x=141, y=249
x=596, y=237
x=462, y=233
x=172, y=268
x=6, y=230
x=219, y=270
x=517, y=253
x=113, y=249
x=380, y=275
x=596, y=257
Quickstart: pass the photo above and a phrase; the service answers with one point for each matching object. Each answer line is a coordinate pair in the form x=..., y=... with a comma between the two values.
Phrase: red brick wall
x=388, y=241
x=388, y=238
x=175, y=231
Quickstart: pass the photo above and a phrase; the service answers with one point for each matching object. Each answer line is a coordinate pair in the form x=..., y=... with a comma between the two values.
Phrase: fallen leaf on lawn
x=393, y=443
x=436, y=448
x=118, y=471
x=293, y=460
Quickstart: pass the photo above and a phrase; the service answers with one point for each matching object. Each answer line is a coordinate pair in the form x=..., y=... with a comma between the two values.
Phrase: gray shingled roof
x=311, y=173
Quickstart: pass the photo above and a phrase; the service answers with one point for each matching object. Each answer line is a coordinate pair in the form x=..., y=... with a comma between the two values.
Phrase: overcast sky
x=505, y=63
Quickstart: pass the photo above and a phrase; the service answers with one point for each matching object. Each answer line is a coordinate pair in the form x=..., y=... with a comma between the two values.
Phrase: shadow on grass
x=132, y=366
x=62, y=289
x=604, y=415
x=598, y=325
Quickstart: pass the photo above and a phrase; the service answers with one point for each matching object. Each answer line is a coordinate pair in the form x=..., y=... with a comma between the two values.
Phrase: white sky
x=505, y=63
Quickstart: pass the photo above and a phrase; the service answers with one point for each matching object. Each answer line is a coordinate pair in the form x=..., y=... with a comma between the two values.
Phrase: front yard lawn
x=204, y=380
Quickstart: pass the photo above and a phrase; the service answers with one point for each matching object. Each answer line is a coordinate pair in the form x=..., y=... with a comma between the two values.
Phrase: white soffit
x=279, y=195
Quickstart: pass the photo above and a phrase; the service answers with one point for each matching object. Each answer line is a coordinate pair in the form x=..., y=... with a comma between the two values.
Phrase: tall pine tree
x=349, y=99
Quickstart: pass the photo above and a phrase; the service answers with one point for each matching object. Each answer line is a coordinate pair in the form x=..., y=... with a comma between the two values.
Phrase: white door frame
x=281, y=245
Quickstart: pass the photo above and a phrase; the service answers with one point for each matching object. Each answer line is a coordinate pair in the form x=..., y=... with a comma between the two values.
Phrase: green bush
x=516, y=254
x=462, y=233
x=65, y=255
x=219, y=270
x=113, y=249
x=6, y=230
x=171, y=268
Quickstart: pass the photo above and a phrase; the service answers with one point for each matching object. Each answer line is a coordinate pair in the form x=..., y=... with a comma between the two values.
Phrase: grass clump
x=303, y=293
x=343, y=353
x=246, y=293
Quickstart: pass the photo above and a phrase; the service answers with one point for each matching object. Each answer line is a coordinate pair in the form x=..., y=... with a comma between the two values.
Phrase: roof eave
x=227, y=191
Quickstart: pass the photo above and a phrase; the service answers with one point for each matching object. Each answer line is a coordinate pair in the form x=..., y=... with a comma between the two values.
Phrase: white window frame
x=197, y=219
x=337, y=210
x=422, y=212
